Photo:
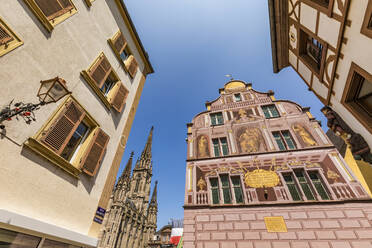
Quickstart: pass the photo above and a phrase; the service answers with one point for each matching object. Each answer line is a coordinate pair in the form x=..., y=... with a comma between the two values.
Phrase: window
x=292, y=187
x=106, y=83
x=304, y=185
x=51, y=12
x=318, y=185
x=121, y=49
x=324, y=3
x=270, y=111
x=215, y=191
x=8, y=39
x=226, y=189
x=237, y=189
x=367, y=22
x=357, y=96
x=237, y=97
x=217, y=119
x=284, y=140
x=311, y=51
x=15, y=239
x=72, y=140
x=220, y=144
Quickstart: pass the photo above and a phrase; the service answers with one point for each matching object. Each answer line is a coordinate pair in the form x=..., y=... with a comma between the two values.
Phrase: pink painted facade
x=251, y=156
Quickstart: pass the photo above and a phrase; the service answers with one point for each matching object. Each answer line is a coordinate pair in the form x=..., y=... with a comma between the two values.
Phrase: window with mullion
x=226, y=189
x=279, y=140
x=215, y=191
x=304, y=185
x=216, y=119
x=288, y=139
x=216, y=147
x=318, y=185
x=270, y=111
x=292, y=187
x=237, y=189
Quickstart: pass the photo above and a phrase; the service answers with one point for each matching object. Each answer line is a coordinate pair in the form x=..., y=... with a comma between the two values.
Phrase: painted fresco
x=244, y=115
x=203, y=146
x=303, y=135
x=250, y=140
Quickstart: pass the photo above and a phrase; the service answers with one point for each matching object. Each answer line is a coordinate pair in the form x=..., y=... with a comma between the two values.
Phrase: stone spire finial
x=146, y=155
x=125, y=175
x=154, y=197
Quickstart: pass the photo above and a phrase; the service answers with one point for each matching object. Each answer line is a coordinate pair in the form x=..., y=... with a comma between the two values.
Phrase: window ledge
x=11, y=46
x=46, y=153
x=98, y=92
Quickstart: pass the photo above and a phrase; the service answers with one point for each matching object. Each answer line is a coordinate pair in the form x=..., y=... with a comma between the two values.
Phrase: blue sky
x=192, y=44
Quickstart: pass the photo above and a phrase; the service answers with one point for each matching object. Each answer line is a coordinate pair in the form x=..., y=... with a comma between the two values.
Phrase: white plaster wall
x=30, y=185
x=328, y=29
x=358, y=50
x=293, y=59
x=308, y=17
x=305, y=72
x=319, y=88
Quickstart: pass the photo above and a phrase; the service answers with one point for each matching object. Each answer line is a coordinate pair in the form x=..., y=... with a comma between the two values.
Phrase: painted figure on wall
x=243, y=115
x=203, y=147
x=201, y=184
x=304, y=135
x=250, y=140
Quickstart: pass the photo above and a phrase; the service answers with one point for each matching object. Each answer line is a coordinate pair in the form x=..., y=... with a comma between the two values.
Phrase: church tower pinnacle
x=141, y=179
x=123, y=184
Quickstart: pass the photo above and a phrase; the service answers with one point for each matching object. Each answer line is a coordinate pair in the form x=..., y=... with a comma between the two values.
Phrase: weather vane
x=229, y=76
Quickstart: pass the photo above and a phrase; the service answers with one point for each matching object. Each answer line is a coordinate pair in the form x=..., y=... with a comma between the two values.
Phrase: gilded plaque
x=261, y=178
x=275, y=224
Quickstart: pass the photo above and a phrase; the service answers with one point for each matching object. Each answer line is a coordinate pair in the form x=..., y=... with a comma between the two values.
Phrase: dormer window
x=216, y=119
x=237, y=97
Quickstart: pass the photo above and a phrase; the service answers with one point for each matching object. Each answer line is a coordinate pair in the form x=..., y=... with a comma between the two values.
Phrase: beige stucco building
x=58, y=171
x=329, y=44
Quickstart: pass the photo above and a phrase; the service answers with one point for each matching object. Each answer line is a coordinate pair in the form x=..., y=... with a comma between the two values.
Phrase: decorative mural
x=303, y=135
x=250, y=140
x=202, y=185
x=244, y=115
x=203, y=146
x=293, y=36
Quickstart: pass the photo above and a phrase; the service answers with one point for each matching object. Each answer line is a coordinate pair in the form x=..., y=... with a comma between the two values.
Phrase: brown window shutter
x=93, y=156
x=49, y=7
x=100, y=71
x=120, y=43
x=120, y=97
x=4, y=36
x=59, y=133
x=131, y=65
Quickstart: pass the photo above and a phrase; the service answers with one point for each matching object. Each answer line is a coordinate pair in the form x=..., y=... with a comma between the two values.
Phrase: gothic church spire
x=154, y=197
x=145, y=160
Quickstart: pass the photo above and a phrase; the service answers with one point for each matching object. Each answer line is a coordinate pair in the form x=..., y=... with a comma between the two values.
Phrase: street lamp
x=51, y=90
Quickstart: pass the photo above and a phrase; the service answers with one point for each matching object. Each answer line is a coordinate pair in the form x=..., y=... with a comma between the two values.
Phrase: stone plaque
x=275, y=224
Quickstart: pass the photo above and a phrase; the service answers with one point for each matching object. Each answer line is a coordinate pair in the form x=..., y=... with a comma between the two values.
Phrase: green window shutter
x=219, y=118
x=216, y=147
x=225, y=148
x=304, y=185
x=288, y=140
x=237, y=189
x=318, y=185
x=226, y=189
x=279, y=141
x=213, y=119
x=293, y=190
x=266, y=111
x=215, y=193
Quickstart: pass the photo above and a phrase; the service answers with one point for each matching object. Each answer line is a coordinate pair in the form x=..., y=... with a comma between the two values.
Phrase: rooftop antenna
x=229, y=76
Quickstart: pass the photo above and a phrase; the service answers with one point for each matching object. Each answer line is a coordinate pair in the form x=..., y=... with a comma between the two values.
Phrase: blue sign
x=98, y=220
x=100, y=212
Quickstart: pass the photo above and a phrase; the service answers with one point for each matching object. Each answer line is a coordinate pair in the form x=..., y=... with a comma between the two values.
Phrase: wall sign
x=275, y=224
